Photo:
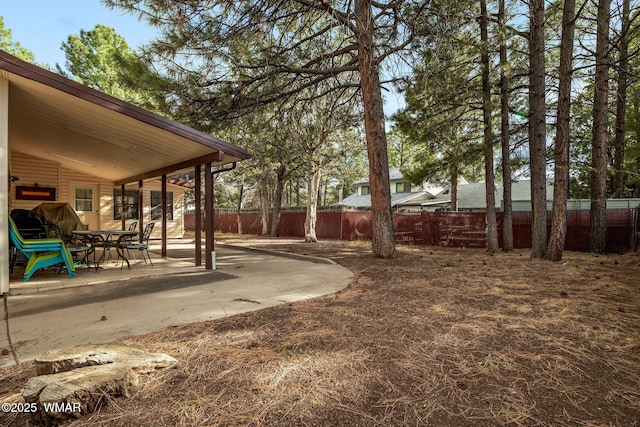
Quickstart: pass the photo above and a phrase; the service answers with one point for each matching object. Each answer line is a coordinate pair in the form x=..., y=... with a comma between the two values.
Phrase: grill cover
x=62, y=215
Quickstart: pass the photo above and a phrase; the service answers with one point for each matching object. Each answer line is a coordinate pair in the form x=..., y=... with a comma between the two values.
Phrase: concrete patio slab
x=97, y=307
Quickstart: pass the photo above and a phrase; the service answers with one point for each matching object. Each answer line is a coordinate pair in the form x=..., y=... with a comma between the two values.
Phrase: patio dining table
x=104, y=239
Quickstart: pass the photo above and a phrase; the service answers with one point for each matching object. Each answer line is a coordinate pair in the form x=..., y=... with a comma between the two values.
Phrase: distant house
x=472, y=197
x=405, y=196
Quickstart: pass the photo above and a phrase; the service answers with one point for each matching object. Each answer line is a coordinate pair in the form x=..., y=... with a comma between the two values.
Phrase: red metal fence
x=437, y=228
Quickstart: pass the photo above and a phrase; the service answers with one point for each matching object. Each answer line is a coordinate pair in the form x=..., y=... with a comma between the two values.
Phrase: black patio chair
x=129, y=239
x=143, y=246
x=30, y=226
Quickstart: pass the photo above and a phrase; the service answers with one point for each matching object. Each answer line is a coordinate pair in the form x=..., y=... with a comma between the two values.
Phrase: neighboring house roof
x=58, y=119
x=394, y=176
x=356, y=201
x=470, y=196
x=473, y=196
x=397, y=199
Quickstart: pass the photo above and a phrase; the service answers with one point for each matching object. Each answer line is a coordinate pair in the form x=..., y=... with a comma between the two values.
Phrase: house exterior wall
x=31, y=171
x=413, y=188
x=392, y=186
x=175, y=227
x=48, y=173
x=409, y=208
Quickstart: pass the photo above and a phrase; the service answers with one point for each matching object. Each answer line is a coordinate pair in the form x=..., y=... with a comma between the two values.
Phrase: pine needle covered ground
x=438, y=337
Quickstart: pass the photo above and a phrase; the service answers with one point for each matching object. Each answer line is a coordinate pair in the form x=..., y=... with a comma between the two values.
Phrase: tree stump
x=75, y=381
x=134, y=356
x=67, y=395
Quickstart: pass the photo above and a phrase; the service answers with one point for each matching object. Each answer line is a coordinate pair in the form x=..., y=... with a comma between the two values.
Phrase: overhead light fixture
x=70, y=159
x=99, y=136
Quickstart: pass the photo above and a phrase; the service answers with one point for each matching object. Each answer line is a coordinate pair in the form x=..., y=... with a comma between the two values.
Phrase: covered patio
x=51, y=279
x=83, y=134
x=55, y=311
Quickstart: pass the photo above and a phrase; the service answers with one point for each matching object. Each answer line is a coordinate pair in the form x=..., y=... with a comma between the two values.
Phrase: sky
x=42, y=25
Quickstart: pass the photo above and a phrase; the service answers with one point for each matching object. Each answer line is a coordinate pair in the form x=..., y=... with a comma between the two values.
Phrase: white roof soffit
x=55, y=118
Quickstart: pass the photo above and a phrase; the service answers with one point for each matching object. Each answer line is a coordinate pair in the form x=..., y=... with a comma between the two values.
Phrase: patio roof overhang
x=48, y=116
x=58, y=119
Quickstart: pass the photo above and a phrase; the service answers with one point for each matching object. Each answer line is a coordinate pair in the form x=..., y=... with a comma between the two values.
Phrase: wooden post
x=164, y=216
x=140, y=208
x=123, y=217
x=208, y=199
x=198, y=202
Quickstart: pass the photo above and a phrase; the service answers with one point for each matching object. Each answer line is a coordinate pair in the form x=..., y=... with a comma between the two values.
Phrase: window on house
x=83, y=199
x=365, y=190
x=156, y=205
x=403, y=187
x=130, y=204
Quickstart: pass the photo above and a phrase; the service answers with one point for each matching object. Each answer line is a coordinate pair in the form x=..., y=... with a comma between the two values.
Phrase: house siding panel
x=175, y=227
x=32, y=171
x=48, y=173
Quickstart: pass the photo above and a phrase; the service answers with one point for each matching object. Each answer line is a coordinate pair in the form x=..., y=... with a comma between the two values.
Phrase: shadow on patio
x=180, y=259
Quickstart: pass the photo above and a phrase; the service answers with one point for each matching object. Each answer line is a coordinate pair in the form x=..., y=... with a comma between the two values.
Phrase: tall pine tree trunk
x=454, y=189
x=507, y=217
x=312, y=208
x=621, y=104
x=561, y=156
x=537, y=130
x=264, y=204
x=239, y=206
x=492, y=229
x=277, y=201
x=598, y=225
x=382, y=227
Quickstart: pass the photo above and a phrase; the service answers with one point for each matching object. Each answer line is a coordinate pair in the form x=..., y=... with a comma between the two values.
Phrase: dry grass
x=439, y=337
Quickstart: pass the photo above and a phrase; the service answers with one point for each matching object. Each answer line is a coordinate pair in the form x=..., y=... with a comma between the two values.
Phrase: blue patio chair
x=143, y=245
x=42, y=253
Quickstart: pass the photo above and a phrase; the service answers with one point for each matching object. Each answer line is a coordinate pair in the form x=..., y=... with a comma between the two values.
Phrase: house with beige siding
x=61, y=141
x=96, y=201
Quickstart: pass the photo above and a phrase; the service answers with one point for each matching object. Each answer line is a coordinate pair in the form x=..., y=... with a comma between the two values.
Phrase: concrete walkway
x=54, y=311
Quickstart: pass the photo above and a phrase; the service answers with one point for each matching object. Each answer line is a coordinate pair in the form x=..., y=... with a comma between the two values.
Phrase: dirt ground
x=437, y=337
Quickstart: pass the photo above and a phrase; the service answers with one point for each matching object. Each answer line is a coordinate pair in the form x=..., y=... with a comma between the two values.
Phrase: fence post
x=635, y=233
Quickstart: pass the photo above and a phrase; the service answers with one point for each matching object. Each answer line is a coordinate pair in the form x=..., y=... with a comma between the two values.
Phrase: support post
x=208, y=213
x=123, y=217
x=140, y=208
x=198, y=202
x=164, y=216
x=4, y=183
